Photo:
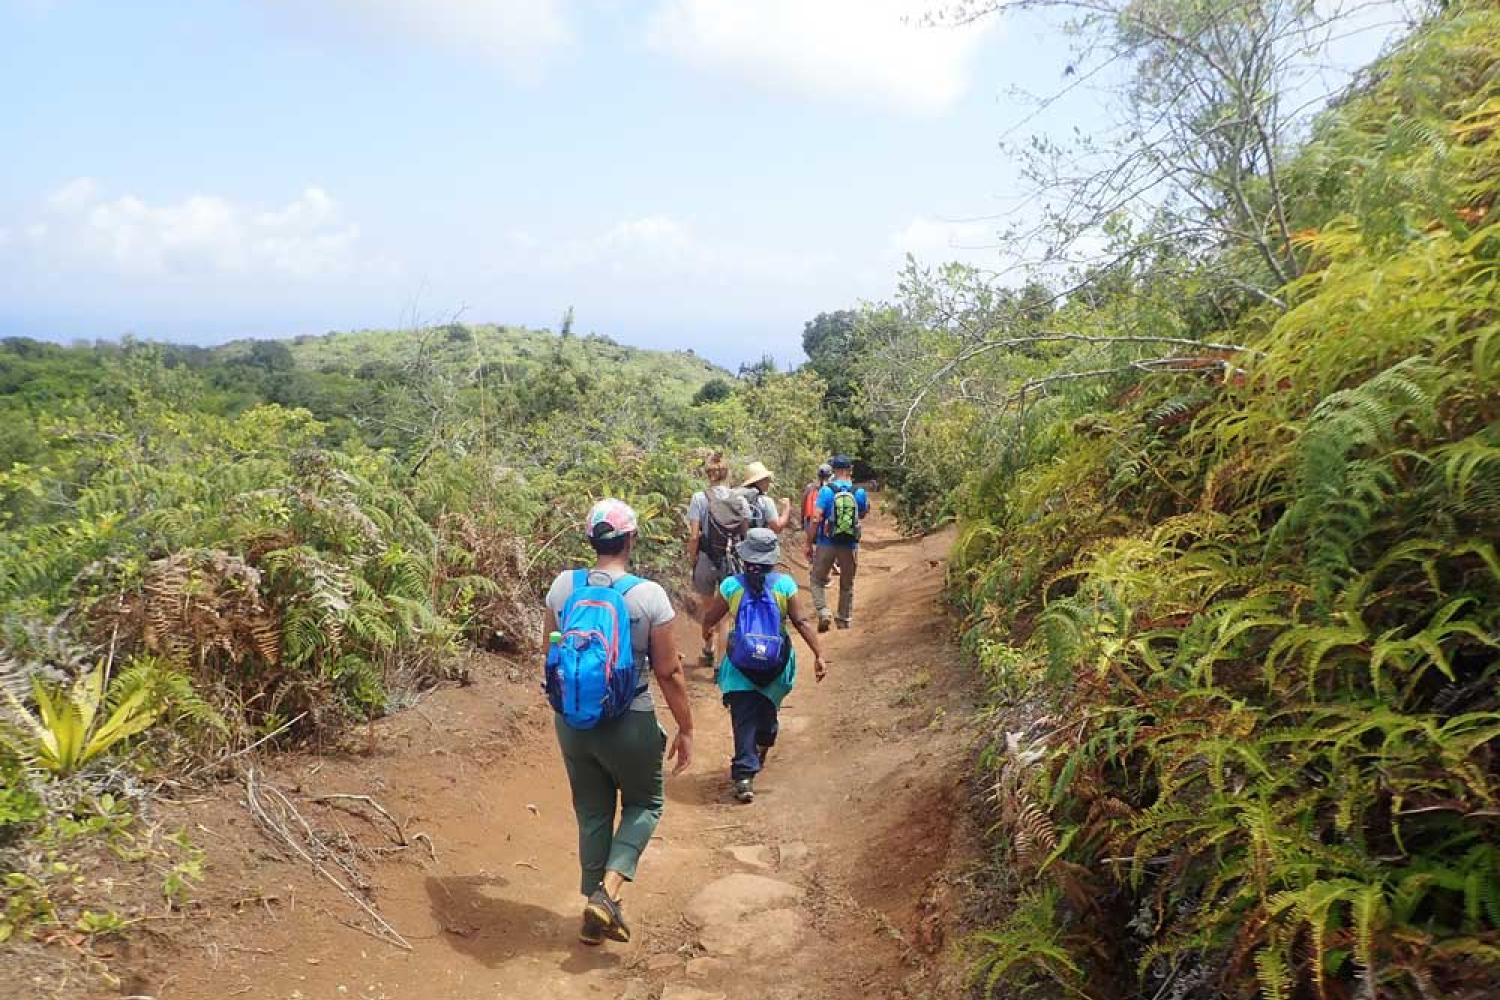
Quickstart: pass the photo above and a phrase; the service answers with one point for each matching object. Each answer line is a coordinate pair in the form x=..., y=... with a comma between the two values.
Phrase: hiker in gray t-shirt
x=706, y=547
x=617, y=765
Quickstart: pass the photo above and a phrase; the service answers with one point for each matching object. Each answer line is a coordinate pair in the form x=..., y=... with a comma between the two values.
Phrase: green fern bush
x=1264, y=610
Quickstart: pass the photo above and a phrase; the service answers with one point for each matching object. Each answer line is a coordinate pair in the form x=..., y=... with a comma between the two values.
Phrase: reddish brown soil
x=861, y=810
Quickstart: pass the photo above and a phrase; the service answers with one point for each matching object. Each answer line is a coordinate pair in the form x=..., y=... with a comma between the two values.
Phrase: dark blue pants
x=753, y=717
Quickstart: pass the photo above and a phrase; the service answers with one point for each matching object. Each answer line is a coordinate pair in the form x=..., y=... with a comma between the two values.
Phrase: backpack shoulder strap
x=781, y=599
x=580, y=579
x=626, y=584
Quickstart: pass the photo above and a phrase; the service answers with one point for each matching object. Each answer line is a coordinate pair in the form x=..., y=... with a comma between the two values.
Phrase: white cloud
x=660, y=248
x=73, y=195
x=79, y=227
x=518, y=35
x=937, y=241
x=865, y=51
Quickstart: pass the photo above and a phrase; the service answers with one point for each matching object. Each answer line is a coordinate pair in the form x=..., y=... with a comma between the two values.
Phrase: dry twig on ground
x=274, y=813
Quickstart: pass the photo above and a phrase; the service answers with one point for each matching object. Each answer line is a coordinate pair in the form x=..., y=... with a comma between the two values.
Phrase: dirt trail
x=835, y=883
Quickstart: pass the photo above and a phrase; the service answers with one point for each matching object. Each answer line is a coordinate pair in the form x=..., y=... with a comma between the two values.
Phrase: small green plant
x=26, y=905
x=99, y=924
x=104, y=816
x=19, y=805
x=75, y=724
x=183, y=875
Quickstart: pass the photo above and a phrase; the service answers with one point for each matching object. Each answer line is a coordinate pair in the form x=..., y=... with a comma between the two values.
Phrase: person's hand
x=681, y=751
x=820, y=669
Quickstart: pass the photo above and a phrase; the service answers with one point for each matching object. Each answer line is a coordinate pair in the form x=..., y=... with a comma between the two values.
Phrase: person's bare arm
x=713, y=613
x=797, y=612
x=695, y=532
x=783, y=518
x=668, y=670
x=813, y=527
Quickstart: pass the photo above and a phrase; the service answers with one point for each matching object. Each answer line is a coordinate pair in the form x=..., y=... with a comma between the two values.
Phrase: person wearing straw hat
x=764, y=512
x=760, y=666
x=615, y=765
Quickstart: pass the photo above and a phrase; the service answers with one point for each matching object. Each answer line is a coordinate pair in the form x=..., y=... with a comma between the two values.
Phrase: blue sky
x=684, y=173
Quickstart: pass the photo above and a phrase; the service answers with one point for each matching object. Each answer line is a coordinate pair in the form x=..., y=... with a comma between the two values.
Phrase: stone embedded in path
x=636, y=989
x=752, y=855
x=792, y=854
x=729, y=900
x=705, y=968
x=764, y=936
x=689, y=993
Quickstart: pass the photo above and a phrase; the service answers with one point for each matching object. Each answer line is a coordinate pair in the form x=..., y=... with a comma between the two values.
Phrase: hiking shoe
x=592, y=932
x=609, y=915
x=744, y=791
x=843, y=626
x=825, y=622
x=706, y=658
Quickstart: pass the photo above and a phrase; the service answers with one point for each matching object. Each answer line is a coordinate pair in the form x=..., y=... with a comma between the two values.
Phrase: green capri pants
x=617, y=765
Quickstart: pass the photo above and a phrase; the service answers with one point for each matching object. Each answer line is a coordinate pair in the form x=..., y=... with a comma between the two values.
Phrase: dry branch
x=400, y=838
x=274, y=813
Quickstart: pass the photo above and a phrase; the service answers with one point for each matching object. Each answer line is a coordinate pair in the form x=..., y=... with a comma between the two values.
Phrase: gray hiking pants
x=846, y=558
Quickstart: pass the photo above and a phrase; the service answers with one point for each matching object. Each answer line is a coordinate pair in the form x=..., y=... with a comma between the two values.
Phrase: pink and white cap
x=610, y=518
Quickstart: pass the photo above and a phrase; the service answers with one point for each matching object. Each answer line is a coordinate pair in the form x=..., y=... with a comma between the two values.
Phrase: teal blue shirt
x=730, y=678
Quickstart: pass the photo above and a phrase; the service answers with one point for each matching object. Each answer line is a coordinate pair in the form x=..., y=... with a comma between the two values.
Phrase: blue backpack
x=591, y=673
x=758, y=644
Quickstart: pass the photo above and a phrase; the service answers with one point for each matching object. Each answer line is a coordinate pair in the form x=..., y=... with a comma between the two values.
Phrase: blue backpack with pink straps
x=592, y=676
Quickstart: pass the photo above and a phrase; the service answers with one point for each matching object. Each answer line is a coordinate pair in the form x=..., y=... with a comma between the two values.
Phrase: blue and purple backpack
x=592, y=676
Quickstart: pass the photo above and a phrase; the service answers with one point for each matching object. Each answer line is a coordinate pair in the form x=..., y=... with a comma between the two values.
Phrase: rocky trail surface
x=839, y=881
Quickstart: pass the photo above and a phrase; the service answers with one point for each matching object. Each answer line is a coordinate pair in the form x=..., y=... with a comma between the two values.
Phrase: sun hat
x=825, y=471
x=610, y=518
x=760, y=546
x=842, y=462
x=755, y=472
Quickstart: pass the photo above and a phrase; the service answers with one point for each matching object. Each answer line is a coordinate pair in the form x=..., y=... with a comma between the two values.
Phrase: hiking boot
x=592, y=932
x=609, y=915
x=744, y=791
x=843, y=625
x=825, y=622
x=706, y=658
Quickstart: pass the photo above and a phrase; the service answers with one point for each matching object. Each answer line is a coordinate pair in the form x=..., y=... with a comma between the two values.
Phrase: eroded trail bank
x=837, y=882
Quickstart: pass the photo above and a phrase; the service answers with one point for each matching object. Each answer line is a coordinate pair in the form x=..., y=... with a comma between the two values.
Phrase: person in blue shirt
x=753, y=707
x=837, y=517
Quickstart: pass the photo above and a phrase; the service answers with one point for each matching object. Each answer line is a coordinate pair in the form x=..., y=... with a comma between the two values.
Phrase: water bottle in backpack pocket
x=758, y=644
x=592, y=675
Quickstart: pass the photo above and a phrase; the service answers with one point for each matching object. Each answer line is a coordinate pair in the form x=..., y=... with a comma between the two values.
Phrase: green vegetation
x=201, y=549
x=1228, y=499
x=1229, y=558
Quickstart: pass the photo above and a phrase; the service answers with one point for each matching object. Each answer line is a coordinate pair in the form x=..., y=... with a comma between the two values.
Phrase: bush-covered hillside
x=507, y=354
x=202, y=549
x=1229, y=559
x=341, y=377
